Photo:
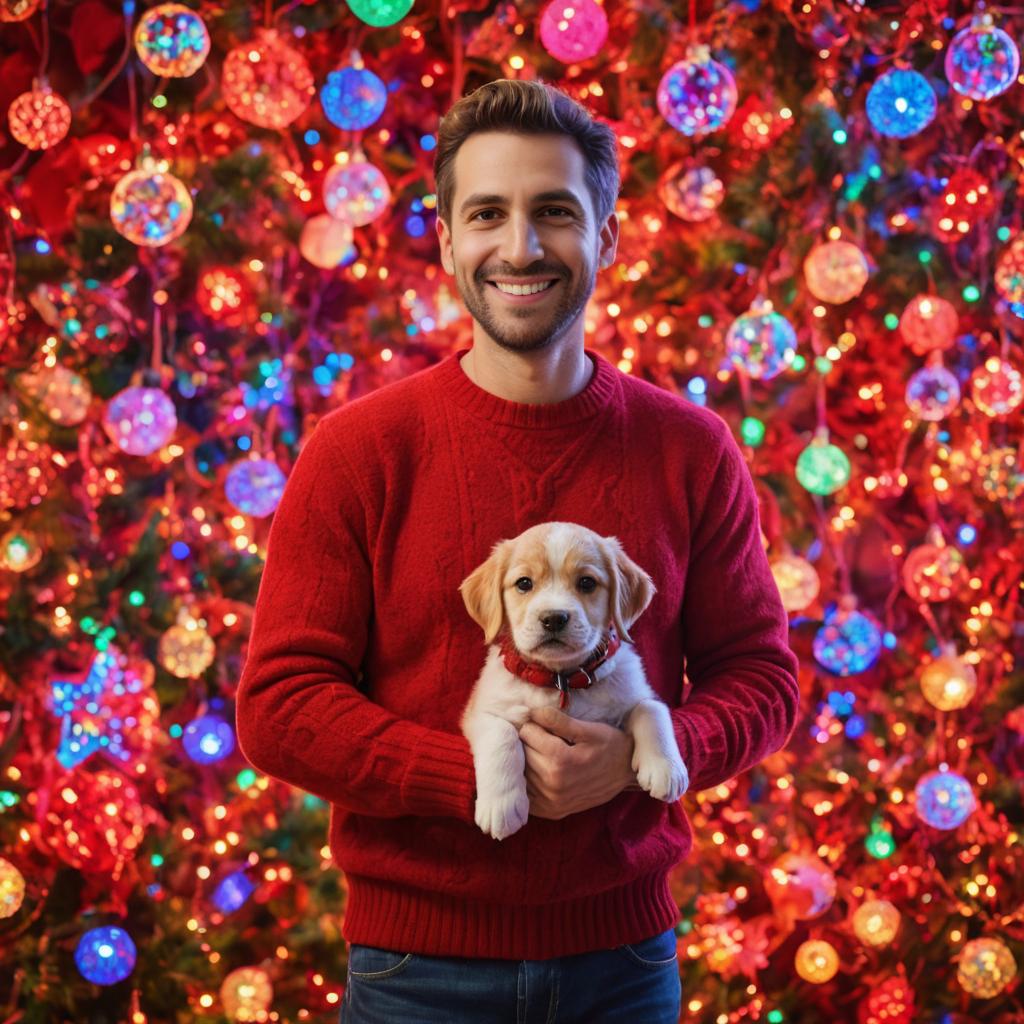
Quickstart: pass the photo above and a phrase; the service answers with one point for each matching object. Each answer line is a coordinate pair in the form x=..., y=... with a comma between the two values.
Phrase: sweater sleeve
x=301, y=713
x=745, y=698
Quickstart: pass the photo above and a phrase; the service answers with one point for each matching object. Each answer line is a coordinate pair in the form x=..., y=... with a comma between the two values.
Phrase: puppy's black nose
x=554, y=622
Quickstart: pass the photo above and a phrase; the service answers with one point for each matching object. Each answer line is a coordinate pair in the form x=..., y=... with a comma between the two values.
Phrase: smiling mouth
x=525, y=294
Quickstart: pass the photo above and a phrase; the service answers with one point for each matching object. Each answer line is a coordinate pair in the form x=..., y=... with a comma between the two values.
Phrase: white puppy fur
x=556, y=587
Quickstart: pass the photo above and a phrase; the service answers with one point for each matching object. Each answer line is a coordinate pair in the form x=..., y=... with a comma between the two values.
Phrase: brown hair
x=528, y=108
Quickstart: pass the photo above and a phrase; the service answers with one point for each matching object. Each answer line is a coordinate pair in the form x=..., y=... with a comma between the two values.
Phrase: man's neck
x=543, y=377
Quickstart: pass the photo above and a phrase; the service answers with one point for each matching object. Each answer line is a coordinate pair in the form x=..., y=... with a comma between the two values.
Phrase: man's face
x=521, y=214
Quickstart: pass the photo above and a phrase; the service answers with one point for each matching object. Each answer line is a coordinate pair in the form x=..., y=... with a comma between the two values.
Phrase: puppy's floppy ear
x=481, y=590
x=632, y=590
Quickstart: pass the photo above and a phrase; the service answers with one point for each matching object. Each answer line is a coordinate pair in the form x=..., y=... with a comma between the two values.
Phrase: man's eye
x=480, y=213
x=559, y=209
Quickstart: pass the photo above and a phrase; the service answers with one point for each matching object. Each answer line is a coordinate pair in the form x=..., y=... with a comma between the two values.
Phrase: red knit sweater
x=362, y=655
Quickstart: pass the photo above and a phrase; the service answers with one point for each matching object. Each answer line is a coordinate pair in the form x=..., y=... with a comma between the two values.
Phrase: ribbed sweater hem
x=442, y=924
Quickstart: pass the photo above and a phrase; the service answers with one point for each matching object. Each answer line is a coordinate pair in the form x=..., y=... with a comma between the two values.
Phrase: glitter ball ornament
x=150, y=206
x=948, y=683
x=12, y=889
x=996, y=387
x=356, y=192
x=1009, y=275
x=944, y=799
x=186, y=650
x=889, y=1002
x=821, y=467
x=797, y=580
x=208, y=739
x=573, y=30
x=876, y=922
x=325, y=241
x=836, y=271
x=800, y=885
x=901, y=103
x=172, y=41
x=61, y=393
x=697, y=95
x=982, y=61
x=693, y=193
x=816, y=961
x=255, y=486
x=761, y=341
x=986, y=966
x=17, y=10
x=849, y=641
x=353, y=98
x=967, y=197
x=20, y=550
x=105, y=956
x=140, y=420
x=928, y=324
x=267, y=82
x=246, y=994
x=933, y=571
x=90, y=315
x=999, y=475
x=39, y=118
x=933, y=393
x=224, y=295
x=26, y=471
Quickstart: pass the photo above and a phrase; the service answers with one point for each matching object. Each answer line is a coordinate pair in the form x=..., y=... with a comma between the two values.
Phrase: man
x=362, y=655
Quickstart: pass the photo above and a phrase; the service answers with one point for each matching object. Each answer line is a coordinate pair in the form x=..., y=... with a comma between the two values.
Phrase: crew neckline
x=457, y=387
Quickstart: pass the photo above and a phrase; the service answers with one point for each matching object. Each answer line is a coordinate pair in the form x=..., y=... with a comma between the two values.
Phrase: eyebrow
x=557, y=195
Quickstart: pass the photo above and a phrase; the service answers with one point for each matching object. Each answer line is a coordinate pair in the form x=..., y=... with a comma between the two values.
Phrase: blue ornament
x=982, y=61
x=944, y=799
x=232, y=892
x=901, y=103
x=353, y=98
x=762, y=341
x=105, y=956
x=255, y=486
x=849, y=641
x=208, y=739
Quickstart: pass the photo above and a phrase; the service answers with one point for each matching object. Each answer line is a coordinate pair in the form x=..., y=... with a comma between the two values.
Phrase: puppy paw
x=665, y=778
x=502, y=814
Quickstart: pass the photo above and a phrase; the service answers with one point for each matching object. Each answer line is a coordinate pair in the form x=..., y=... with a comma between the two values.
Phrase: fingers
x=537, y=738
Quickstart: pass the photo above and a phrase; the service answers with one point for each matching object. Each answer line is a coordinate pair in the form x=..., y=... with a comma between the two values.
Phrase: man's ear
x=608, y=240
x=444, y=238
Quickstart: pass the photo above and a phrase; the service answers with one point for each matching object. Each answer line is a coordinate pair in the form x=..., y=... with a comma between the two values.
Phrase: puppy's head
x=557, y=586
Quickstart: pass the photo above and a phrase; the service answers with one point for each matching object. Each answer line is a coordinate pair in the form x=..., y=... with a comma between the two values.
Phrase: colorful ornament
x=353, y=98
x=929, y=324
x=821, y=467
x=105, y=956
x=246, y=994
x=326, y=241
x=39, y=118
x=17, y=10
x=761, y=341
x=1009, y=275
x=255, y=486
x=356, y=192
x=61, y=393
x=816, y=961
x=697, y=95
x=982, y=61
x=797, y=580
x=948, y=682
x=901, y=103
x=573, y=30
x=967, y=197
x=140, y=420
x=150, y=206
x=836, y=271
x=691, y=194
x=19, y=550
x=800, y=885
x=999, y=474
x=933, y=393
x=208, y=738
x=933, y=571
x=986, y=967
x=172, y=41
x=944, y=799
x=849, y=641
x=90, y=315
x=267, y=82
x=224, y=295
x=380, y=13
x=996, y=387
x=12, y=889
x=186, y=650
x=876, y=922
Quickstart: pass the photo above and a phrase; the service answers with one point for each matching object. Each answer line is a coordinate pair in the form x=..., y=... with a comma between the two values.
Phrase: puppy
x=562, y=598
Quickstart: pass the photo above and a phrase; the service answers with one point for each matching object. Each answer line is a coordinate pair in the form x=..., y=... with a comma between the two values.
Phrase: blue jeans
x=631, y=984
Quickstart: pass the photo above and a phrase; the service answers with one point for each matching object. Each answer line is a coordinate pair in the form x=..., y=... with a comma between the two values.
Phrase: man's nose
x=520, y=244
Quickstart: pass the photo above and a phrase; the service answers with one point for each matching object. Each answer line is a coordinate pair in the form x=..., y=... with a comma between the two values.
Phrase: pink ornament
x=836, y=271
x=150, y=206
x=996, y=387
x=39, y=118
x=267, y=82
x=966, y=199
x=573, y=30
x=356, y=192
x=800, y=886
x=928, y=324
x=933, y=571
x=933, y=392
x=691, y=194
x=697, y=95
x=325, y=241
x=140, y=420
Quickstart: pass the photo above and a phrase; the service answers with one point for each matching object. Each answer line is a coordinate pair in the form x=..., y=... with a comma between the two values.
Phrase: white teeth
x=523, y=289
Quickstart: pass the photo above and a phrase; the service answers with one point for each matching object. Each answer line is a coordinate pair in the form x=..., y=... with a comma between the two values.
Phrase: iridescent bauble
x=140, y=420
x=761, y=341
x=816, y=961
x=208, y=739
x=836, y=271
x=325, y=241
x=933, y=572
x=848, y=642
x=17, y=10
x=39, y=118
x=876, y=922
x=800, y=885
x=150, y=206
x=996, y=387
x=246, y=994
x=933, y=393
x=1009, y=275
x=224, y=295
x=797, y=580
x=901, y=103
x=967, y=197
x=697, y=95
x=12, y=889
x=267, y=82
x=573, y=30
x=356, y=192
x=380, y=13
x=982, y=61
x=255, y=486
x=822, y=468
x=944, y=799
x=353, y=98
x=986, y=967
x=929, y=324
x=105, y=956
x=692, y=193
x=20, y=550
x=948, y=682
x=186, y=650
x=61, y=393
x=172, y=41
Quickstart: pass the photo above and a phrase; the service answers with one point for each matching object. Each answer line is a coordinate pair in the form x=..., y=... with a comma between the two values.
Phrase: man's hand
x=571, y=765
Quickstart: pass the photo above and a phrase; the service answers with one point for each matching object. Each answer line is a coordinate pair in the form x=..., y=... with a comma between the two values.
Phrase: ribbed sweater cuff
x=439, y=777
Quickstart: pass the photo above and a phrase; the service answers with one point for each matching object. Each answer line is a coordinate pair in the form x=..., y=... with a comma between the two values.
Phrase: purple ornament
x=944, y=799
x=982, y=61
x=255, y=486
x=356, y=193
x=933, y=393
x=140, y=420
x=208, y=738
x=849, y=642
x=573, y=30
x=697, y=95
x=762, y=341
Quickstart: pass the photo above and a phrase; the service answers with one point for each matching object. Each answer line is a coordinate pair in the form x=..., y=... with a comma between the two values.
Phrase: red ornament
x=891, y=1002
x=929, y=323
x=39, y=118
x=967, y=197
x=224, y=295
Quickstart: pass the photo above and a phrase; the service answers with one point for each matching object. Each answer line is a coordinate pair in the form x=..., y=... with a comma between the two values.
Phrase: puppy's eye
x=587, y=584
x=523, y=584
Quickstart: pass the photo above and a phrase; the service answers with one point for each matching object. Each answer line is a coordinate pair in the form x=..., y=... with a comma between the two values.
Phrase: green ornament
x=880, y=844
x=821, y=467
x=752, y=431
x=380, y=13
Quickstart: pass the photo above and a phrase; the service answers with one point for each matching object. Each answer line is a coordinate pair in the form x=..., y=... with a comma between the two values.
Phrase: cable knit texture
x=362, y=655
